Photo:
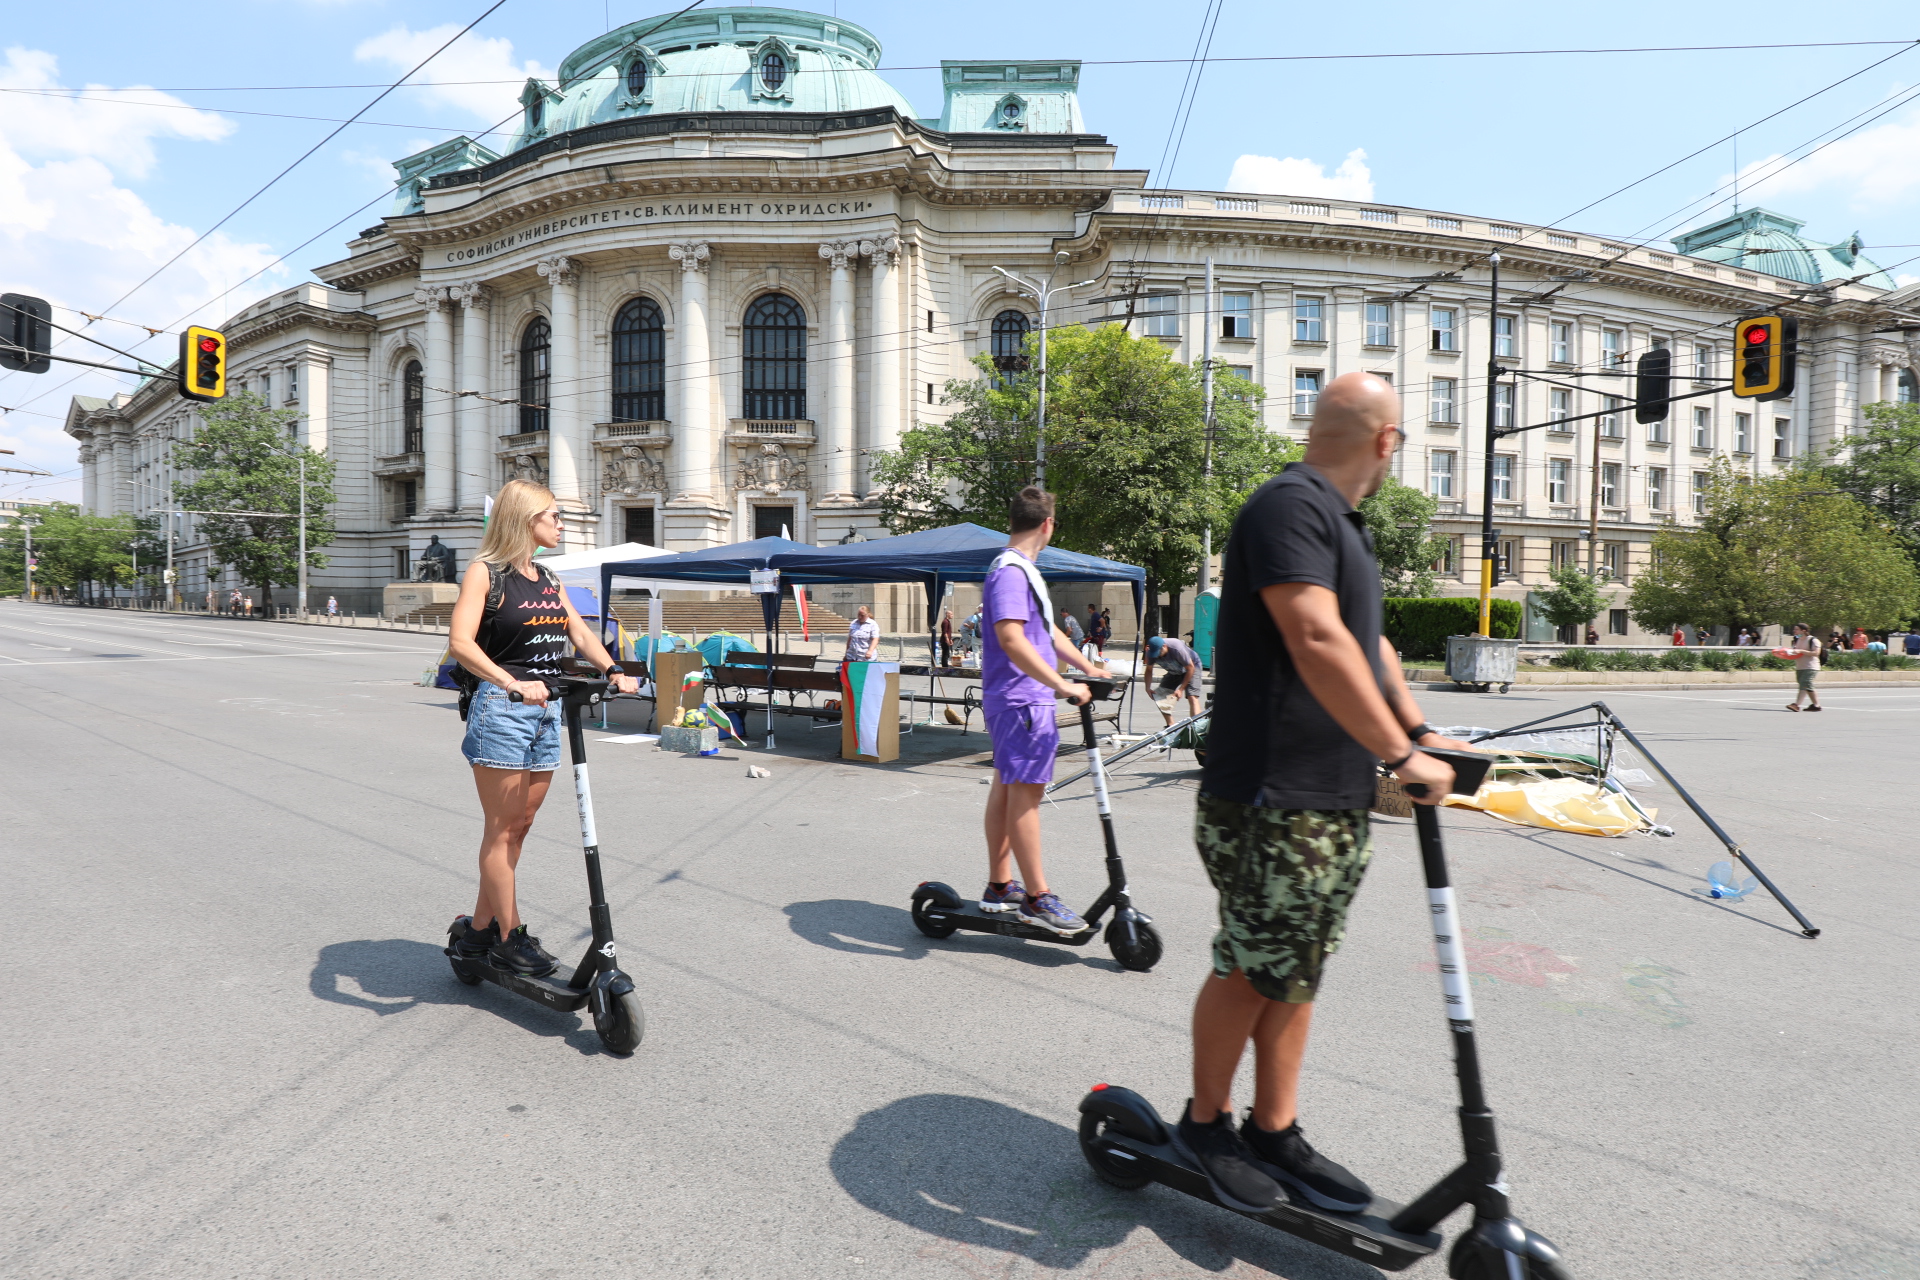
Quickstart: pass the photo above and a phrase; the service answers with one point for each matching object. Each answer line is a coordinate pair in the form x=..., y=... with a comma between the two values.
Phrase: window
x=1609, y=484
x=1783, y=437
x=1009, y=114
x=1565, y=554
x=929, y=393
x=1442, y=397
x=1610, y=421
x=1657, y=488
x=637, y=85
x=1442, y=320
x=1505, y=341
x=639, y=363
x=1560, y=342
x=1743, y=433
x=1503, y=477
x=1306, y=392
x=1703, y=428
x=1239, y=371
x=536, y=348
x=773, y=366
x=1010, y=329
x=1699, y=493
x=536, y=114
x=1449, y=561
x=1440, y=473
x=640, y=529
x=409, y=497
x=1657, y=432
x=402, y=564
x=1236, y=315
x=1613, y=561
x=1308, y=324
x=770, y=522
x=1508, y=567
x=266, y=389
x=1906, y=388
x=413, y=406
x=929, y=319
x=1611, y=355
x=1559, y=481
x=293, y=383
x=1502, y=405
x=1702, y=363
x=1559, y=404
x=1616, y=622
x=1162, y=320
x=1379, y=324
x=773, y=71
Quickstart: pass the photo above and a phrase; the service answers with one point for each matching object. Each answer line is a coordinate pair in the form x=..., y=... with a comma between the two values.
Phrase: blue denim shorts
x=502, y=734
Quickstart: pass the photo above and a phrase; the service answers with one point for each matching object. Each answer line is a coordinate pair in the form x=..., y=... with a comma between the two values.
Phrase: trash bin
x=1482, y=661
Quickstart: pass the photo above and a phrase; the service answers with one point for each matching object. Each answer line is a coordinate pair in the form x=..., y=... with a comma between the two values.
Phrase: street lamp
x=1043, y=292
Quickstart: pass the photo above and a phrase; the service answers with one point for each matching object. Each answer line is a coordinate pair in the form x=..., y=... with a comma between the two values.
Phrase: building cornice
x=295, y=315
x=387, y=259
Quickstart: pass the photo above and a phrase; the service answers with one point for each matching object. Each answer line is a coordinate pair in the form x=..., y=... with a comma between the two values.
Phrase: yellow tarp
x=1557, y=804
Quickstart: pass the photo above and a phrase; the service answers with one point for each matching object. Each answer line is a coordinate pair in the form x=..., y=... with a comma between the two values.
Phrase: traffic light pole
x=1487, y=550
x=301, y=613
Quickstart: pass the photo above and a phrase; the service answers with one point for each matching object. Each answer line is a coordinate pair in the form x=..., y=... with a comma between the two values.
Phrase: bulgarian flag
x=800, y=603
x=865, y=687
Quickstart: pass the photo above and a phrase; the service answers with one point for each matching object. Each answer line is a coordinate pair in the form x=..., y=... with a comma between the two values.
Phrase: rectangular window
x=1611, y=354
x=1560, y=342
x=1699, y=493
x=1309, y=325
x=1505, y=339
x=639, y=521
x=1449, y=562
x=1306, y=392
x=1743, y=433
x=1559, y=480
x=1507, y=567
x=1236, y=315
x=409, y=497
x=266, y=389
x=929, y=393
x=1609, y=484
x=402, y=564
x=769, y=521
x=293, y=383
x=1503, y=477
x=1379, y=324
x=1559, y=404
x=1657, y=432
x=1616, y=622
x=1657, y=488
x=1610, y=418
x=1502, y=405
x=1565, y=553
x=1440, y=473
x=1702, y=363
x=1239, y=371
x=1783, y=437
x=1161, y=316
x=929, y=319
x=1443, y=399
x=1613, y=561
x=1703, y=428
x=1442, y=319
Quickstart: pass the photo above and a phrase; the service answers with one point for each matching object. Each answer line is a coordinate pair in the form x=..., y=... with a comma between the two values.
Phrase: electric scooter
x=596, y=981
x=1129, y=1145
x=1131, y=937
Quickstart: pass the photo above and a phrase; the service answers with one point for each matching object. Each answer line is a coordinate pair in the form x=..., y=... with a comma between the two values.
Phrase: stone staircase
x=739, y=614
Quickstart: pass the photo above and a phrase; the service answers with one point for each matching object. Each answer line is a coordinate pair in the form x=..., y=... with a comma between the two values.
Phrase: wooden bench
x=785, y=678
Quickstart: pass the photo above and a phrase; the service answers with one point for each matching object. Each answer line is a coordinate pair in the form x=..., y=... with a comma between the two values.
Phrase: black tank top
x=528, y=634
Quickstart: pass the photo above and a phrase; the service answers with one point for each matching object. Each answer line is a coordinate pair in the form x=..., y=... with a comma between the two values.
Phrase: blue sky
x=95, y=192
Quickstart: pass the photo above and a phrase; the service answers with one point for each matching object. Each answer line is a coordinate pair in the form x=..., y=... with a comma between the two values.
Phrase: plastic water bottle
x=1721, y=884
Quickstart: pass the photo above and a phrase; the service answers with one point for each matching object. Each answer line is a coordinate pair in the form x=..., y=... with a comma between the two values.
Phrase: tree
x=1401, y=519
x=1780, y=549
x=1126, y=443
x=1881, y=469
x=1573, y=600
x=74, y=550
x=247, y=460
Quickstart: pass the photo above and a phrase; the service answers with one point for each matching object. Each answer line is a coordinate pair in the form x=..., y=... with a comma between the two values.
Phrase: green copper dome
x=1761, y=240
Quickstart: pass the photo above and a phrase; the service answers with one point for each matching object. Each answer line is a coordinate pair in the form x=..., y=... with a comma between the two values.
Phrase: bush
x=1679, y=660
x=1419, y=628
x=1578, y=658
x=1744, y=662
x=1864, y=661
x=1715, y=660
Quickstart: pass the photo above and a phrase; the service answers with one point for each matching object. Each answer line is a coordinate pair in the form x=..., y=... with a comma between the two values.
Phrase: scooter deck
x=1007, y=924
x=551, y=990
x=1366, y=1236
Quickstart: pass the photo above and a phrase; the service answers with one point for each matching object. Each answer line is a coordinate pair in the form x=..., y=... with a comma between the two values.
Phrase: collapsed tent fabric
x=1558, y=804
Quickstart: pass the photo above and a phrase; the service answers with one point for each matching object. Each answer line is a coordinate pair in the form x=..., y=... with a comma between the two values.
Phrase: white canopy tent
x=581, y=570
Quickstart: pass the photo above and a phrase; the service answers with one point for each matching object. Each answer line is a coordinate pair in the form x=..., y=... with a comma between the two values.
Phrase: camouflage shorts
x=1285, y=879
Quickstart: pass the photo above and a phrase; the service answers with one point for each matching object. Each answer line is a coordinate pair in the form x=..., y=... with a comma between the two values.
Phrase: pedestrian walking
x=1679, y=636
x=333, y=607
x=1071, y=625
x=1593, y=637
x=514, y=747
x=1745, y=637
x=1805, y=650
x=1021, y=650
x=1099, y=631
x=1309, y=701
x=1859, y=640
x=946, y=637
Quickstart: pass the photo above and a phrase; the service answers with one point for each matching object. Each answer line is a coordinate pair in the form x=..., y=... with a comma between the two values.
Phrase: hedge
x=1419, y=628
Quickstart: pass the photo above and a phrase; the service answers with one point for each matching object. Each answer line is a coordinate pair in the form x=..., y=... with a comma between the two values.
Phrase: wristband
x=1412, y=751
x=1420, y=731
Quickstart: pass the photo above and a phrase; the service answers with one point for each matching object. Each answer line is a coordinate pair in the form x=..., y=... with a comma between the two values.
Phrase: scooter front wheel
x=1110, y=1169
x=1475, y=1257
x=1142, y=952
x=625, y=1025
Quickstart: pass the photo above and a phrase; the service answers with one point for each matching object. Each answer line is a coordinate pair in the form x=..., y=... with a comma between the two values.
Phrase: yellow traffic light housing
x=203, y=363
x=1764, y=354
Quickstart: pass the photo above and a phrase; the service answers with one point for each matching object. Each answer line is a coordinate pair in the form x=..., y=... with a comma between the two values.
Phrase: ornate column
x=122, y=499
x=89, y=480
x=437, y=408
x=470, y=414
x=692, y=479
x=838, y=437
x=885, y=345
x=566, y=460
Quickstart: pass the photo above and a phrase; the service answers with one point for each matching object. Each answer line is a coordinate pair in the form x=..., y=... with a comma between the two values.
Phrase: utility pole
x=27, y=525
x=1043, y=292
x=1487, y=549
x=1206, y=466
x=1593, y=504
x=301, y=613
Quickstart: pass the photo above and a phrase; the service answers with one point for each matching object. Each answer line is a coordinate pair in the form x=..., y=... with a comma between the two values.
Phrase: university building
x=723, y=263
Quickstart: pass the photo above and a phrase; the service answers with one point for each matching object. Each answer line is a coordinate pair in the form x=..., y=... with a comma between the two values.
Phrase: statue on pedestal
x=435, y=563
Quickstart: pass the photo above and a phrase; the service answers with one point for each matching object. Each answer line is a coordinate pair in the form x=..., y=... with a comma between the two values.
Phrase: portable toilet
x=1206, y=621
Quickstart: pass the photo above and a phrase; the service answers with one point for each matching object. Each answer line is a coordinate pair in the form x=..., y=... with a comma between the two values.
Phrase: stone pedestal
x=402, y=598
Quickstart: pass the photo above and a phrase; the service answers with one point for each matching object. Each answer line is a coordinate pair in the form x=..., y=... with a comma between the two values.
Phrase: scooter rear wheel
x=1143, y=954
x=460, y=972
x=933, y=929
x=1105, y=1167
x=625, y=1025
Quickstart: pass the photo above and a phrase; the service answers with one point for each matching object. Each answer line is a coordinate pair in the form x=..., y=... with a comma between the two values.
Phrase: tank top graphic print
x=529, y=633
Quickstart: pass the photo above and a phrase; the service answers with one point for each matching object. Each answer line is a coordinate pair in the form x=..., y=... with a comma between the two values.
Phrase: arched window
x=639, y=363
x=413, y=406
x=773, y=71
x=1906, y=388
x=1010, y=330
x=636, y=77
x=536, y=345
x=536, y=112
x=774, y=364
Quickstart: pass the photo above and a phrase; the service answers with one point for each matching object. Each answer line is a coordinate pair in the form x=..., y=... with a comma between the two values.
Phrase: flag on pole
x=800, y=603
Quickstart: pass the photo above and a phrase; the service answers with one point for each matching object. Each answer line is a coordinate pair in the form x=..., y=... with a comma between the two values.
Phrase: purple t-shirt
x=1008, y=595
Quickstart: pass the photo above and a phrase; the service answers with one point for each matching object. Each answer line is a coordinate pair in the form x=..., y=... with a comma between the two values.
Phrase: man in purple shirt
x=1018, y=683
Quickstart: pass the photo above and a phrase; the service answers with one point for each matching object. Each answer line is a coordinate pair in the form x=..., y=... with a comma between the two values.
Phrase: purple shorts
x=1025, y=741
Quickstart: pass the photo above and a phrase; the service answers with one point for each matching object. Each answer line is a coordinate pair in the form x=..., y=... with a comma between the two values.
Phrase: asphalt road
x=234, y=1049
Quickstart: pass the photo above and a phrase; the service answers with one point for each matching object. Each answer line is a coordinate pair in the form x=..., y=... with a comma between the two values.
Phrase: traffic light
x=1763, y=357
x=1652, y=385
x=203, y=363
x=26, y=334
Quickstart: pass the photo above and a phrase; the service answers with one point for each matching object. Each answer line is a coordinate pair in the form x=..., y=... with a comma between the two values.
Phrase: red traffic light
x=209, y=344
x=1758, y=334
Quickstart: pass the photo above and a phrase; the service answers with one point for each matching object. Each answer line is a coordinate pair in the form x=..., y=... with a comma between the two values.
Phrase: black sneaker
x=1219, y=1152
x=1291, y=1160
x=520, y=952
x=470, y=943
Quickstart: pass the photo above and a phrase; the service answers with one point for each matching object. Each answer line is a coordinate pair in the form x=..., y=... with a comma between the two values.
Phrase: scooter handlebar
x=1469, y=771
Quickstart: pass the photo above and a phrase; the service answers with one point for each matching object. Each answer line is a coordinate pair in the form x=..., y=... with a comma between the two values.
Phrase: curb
x=1448, y=686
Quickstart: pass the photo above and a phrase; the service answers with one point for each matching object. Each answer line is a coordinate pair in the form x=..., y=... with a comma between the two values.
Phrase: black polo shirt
x=1270, y=742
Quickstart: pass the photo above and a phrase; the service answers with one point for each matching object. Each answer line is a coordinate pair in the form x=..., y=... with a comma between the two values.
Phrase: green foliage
x=1681, y=659
x=247, y=460
x=75, y=551
x=1578, y=658
x=1573, y=600
x=1778, y=549
x=1881, y=469
x=1400, y=518
x=1419, y=628
x=1864, y=661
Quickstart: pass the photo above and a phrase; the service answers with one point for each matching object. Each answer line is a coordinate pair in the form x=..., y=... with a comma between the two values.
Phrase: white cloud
x=1901, y=280
x=1877, y=168
x=1268, y=175
x=73, y=233
x=476, y=75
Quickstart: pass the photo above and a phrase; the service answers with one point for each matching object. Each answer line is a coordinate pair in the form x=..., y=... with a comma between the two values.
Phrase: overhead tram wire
x=236, y=111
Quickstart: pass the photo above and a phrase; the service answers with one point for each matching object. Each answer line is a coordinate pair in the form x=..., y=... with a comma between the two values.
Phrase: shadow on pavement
x=985, y=1179
x=395, y=974
x=870, y=929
